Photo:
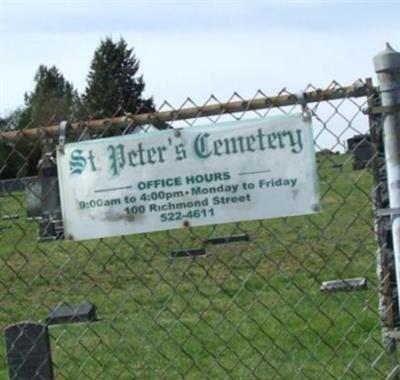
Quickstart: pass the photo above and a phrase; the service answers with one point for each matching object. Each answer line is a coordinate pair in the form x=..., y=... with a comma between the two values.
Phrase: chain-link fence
x=245, y=300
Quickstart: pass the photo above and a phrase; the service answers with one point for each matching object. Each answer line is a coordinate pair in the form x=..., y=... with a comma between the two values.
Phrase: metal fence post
x=385, y=258
x=387, y=66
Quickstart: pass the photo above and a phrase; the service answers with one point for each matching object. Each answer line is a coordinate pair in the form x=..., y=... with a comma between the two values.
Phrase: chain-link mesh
x=248, y=309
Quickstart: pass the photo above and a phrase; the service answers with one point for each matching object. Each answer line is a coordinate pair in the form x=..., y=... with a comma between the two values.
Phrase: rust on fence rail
x=358, y=89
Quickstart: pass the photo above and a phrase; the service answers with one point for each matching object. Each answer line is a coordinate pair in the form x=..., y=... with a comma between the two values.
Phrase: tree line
x=113, y=88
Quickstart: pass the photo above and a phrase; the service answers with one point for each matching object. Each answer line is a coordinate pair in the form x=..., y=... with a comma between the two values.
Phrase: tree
x=12, y=121
x=52, y=100
x=113, y=82
x=3, y=124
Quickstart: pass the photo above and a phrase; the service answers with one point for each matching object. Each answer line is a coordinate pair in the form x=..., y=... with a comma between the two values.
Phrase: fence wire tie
x=306, y=113
x=387, y=212
x=62, y=130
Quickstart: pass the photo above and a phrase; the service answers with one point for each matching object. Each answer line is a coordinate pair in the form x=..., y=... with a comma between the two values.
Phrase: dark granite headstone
x=227, y=239
x=362, y=149
x=188, y=252
x=85, y=312
x=28, y=352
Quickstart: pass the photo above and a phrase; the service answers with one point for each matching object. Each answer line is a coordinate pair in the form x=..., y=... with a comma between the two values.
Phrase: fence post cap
x=387, y=60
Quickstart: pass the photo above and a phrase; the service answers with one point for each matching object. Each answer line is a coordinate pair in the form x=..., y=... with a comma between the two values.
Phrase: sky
x=197, y=48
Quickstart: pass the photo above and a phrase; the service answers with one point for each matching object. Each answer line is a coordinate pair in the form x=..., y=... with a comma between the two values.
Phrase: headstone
x=33, y=194
x=338, y=166
x=227, y=239
x=361, y=148
x=188, y=252
x=344, y=285
x=85, y=312
x=28, y=352
x=42, y=196
x=43, y=203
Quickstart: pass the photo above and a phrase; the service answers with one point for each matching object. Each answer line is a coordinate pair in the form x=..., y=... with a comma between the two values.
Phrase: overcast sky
x=195, y=49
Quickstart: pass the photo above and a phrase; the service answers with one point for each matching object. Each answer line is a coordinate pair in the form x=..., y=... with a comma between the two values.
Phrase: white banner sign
x=227, y=172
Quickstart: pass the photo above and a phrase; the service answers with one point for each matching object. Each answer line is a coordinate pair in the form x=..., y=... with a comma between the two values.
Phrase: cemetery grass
x=246, y=310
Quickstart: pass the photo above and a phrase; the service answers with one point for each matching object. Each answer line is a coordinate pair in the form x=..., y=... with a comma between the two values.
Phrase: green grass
x=247, y=310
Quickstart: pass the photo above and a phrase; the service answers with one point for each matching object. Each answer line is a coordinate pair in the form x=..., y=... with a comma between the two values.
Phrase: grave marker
x=28, y=352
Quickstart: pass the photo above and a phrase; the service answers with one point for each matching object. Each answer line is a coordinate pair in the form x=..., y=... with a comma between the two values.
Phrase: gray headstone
x=33, y=192
x=50, y=195
x=85, y=312
x=349, y=284
x=42, y=196
x=362, y=149
x=28, y=352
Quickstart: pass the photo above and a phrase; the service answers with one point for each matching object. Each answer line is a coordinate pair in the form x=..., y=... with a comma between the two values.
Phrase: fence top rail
x=358, y=89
